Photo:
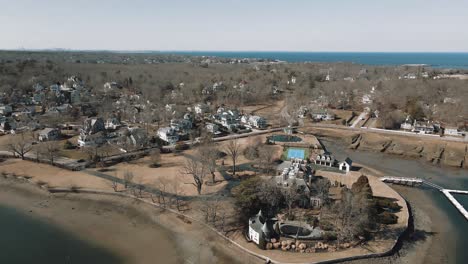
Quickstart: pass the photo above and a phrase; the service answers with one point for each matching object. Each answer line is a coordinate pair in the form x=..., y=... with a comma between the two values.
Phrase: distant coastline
x=437, y=60
x=454, y=60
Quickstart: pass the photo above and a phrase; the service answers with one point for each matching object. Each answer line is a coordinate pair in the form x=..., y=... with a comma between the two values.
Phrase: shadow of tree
x=420, y=235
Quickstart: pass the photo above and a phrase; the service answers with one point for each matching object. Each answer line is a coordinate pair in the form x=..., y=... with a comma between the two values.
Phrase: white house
x=254, y=121
x=112, y=123
x=366, y=99
x=168, y=134
x=323, y=115
x=212, y=128
x=325, y=160
x=293, y=80
x=201, y=109
x=423, y=127
x=345, y=165
x=5, y=109
x=452, y=131
x=85, y=140
x=7, y=124
x=48, y=134
x=108, y=86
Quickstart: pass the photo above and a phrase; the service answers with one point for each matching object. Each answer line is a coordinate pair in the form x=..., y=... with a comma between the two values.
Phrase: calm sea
x=433, y=59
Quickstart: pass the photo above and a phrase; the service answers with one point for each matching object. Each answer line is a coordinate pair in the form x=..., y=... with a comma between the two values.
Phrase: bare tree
x=177, y=191
x=115, y=186
x=266, y=157
x=197, y=170
x=128, y=177
x=20, y=145
x=210, y=211
x=291, y=196
x=155, y=157
x=233, y=151
x=322, y=188
x=49, y=150
x=162, y=192
x=208, y=154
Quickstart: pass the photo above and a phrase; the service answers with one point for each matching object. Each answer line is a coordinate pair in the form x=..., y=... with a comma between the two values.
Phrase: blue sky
x=255, y=25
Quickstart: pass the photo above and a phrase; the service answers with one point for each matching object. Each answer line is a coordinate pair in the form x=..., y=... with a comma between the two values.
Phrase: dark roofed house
x=48, y=134
x=261, y=229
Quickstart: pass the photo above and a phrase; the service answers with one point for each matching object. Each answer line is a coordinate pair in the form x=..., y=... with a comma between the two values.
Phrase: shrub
x=329, y=236
x=389, y=204
x=325, y=225
x=387, y=218
x=155, y=158
x=68, y=145
x=181, y=147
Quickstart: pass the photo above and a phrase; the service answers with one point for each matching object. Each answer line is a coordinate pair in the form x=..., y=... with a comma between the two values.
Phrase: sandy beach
x=117, y=230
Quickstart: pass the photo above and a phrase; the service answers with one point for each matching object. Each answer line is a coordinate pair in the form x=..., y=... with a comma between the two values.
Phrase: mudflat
x=90, y=228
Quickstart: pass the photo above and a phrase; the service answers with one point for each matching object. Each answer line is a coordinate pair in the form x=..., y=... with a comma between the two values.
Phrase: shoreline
x=103, y=220
x=433, y=238
x=169, y=225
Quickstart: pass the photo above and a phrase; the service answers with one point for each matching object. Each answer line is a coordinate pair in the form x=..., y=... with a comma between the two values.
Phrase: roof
x=46, y=130
x=166, y=130
x=348, y=161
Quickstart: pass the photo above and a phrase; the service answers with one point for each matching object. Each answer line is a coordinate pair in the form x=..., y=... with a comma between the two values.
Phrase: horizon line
x=201, y=51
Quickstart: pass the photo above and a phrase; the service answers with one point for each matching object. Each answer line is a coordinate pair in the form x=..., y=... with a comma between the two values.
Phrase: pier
x=402, y=180
x=418, y=182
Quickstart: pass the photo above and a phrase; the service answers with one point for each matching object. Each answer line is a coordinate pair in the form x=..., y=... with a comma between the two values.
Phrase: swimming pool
x=296, y=153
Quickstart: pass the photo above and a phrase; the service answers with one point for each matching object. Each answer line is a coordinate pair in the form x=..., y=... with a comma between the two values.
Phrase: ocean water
x=453, y=60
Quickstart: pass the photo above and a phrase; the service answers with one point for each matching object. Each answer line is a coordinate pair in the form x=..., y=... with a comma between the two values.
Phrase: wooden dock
x=460, y=208
x=418, y=181
x=402, y=180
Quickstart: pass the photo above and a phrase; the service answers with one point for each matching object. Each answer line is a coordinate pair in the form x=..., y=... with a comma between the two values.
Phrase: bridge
x=418, y=181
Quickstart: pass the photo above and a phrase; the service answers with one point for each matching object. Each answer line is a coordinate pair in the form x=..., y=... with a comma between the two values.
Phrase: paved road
x=389, y=132
x=360, y=118
x=60, y=161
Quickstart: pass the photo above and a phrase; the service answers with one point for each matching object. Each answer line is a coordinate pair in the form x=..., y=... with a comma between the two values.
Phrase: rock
x=273, y=240
x=277, y=245
x=346, y=245
x=355, y=141
x=293, y=246
x=269, y=246
x=302, y=246
x=302, y=251
x=453, y=155
x=284, y=243
x=289, y=242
